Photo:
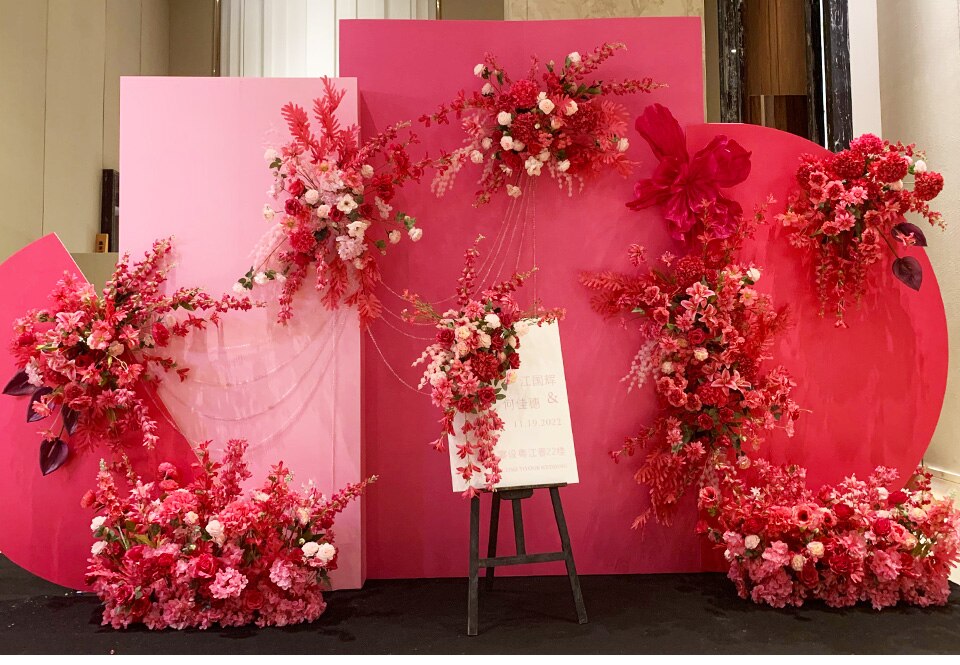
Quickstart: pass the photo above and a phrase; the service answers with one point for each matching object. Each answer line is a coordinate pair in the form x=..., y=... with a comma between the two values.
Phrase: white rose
x=261, y=278
x=882, y=493
x=303, y=516
x=546, y=105
x=462, y=349
x=570, y=108
x=667, y=367
x=462, y=332
x=97, y=522
x=919, y=166
x=395, y=236
x=483, y=340
x=563, y=165
x=897, y=186
x=270, y=155
x=797, y=562
x=574, y=57
x=97, y=547
x=326, y=553
x=215, y=529
x=504, y=118
x=623, y=144
x=506, y=142
x=519, y=145
x=544, y=155
x=751, y=542
x=555, y=123
x=533, y=165
x=492, y=321
x=753, y=274
x=487, y=89
x=700, y=354
x=310, y=549
x=511, y=376
x=478, y=70
x=415, y=233
x=268, y=213
x=512, y=341
x=239, y=288
x=476, y=156
x=513, y=190
x=366, y=171
x=346, y=203
x=311, y=196
x=815, y=547
x=191, y=518
x=486, y=143
x=918, y=514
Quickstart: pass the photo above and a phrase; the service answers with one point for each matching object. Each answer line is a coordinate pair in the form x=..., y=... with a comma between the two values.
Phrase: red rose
x=486, y=366
x=465, y=405
x=296, y=187
x=293, y=207
x=696, y=337
x=809, y=577
x=705, y=422
x=445, y=336
x=841, y=564
x=205, y=566
x=898, y=497
x=753, y=525
x=514, y=360
x=843, y=511
x=497, y=343
x=882, y=526
x=927, y=185
x=124, y=594
x=487, y=396
x=161, y=336
x=252, y=599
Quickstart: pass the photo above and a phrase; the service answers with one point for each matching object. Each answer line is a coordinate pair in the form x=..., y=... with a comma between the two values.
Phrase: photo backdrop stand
x=516, y=495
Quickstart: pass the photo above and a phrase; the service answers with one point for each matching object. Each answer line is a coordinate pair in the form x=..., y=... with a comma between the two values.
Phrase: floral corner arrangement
x=334, y=212
x=472, y=362
x=706, y=333
x=203, y=553
x=848, y=206
x=688, y=189
x=853, y=542
x=565, y=124
x=85, y=355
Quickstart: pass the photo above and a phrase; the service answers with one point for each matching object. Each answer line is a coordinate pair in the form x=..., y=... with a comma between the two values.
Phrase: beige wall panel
x=919, y=45
x=191, y=37
x=74, y=121
x=561, y=9
x=154, y=37
x=121, y=58
x=23, y=41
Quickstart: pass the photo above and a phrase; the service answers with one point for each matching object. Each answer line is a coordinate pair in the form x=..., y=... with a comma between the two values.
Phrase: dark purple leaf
x=19, y=385
x=33, y=416
x=70, y=419
x=52, y=455
x=906, y=228
x=907, y=269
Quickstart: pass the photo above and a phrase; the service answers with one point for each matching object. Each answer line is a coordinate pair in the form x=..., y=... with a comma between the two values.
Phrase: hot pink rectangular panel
x=417, y=527
x=191, y=166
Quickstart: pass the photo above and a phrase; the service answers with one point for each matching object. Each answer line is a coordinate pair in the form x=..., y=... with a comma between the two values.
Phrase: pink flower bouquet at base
x=852, y=542
x=204, y=553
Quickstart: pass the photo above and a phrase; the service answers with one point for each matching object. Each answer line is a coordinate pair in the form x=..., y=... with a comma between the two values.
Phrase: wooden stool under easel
x=516, y=495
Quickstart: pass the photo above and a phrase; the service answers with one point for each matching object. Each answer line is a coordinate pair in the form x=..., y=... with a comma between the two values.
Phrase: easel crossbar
x=543, y=557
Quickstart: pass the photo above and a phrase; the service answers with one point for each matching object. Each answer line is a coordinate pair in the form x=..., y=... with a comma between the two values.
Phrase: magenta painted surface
x=417, y=527
x=45, y=531
x=875, y=390
x=191, y=155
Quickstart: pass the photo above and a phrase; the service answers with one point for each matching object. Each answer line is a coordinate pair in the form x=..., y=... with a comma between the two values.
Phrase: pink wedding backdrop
x=336, y=404
x=191, y=158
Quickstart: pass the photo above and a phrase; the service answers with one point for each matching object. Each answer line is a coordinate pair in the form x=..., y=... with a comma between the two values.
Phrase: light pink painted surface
x=875, y=391
x=44, y=530
x=191, y=157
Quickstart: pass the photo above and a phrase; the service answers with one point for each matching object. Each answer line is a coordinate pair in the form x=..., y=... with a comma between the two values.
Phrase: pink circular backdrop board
x=875, y=389
x=45, y=531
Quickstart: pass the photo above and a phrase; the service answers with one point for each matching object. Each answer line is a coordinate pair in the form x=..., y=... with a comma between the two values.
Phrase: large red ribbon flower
x=688, y=190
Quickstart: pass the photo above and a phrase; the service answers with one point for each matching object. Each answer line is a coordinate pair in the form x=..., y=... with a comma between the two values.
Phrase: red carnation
x=293, y=207
x=848, y=164
x=868, y=144
x=486, y=366
x=754, y=526
x=891, y=168
x=487, y=396
x=524, y=93
x=927, y=185
x=514, y=360
x=898, y=497
x=705, y=422
x=497, y=343
x=727, y=415
x=841, y=563
x=464, y=405
x=882, y=526
x=296, y=187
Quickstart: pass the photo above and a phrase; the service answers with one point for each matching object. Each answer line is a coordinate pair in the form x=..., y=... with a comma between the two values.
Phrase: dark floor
x=628, y=614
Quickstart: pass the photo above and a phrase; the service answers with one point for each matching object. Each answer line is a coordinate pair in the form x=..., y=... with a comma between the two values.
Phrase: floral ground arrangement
x=205, y=552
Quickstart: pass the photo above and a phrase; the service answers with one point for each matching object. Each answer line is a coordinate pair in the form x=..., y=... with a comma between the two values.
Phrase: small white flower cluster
x=322, y=552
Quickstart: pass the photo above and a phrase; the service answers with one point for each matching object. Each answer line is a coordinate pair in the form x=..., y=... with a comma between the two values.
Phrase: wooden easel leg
x=568, y=554
x=473, y=594
x=492, y=543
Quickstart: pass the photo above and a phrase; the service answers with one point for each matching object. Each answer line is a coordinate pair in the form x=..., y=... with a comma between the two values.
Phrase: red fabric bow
x=689, y=189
